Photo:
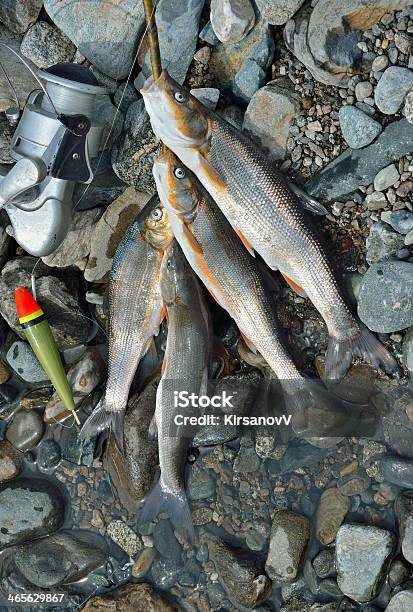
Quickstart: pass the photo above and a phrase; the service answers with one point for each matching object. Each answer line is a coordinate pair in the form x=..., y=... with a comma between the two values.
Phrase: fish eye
x=179, y=97
x=179, y=173
x=157, y=214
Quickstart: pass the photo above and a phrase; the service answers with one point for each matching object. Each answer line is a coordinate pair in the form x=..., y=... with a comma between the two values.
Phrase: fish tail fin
x=363, y=344
x=102, y=419
x=176, y=505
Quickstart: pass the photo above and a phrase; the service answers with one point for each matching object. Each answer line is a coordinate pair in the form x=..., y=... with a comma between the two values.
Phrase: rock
x=46, y=46
x=29, y=509
x=240, y=572
x=397, y=470
x=403, y=509
x=79, y=452
x=75, y=248
x=332, y=509
x=269, y=115
x=62, y=558
x=278, y=12
x=164, y=572
x=4, y=372
x=59, y=300
x=124, y=96
x=290, y=535
x=124, y=537
x=298, y=454
x=23, y=81
x=130, y=598
x=382, y=243
x=385, y=302
x=323, y=563
x=363, y=90
x=207, y=35
x=134, y=152
x=355, y=483
x=132, y=475
x=400, y=220
x=109, y=231
x=362, y=552
x=380, y=63
x=143, y=563
x=105, y=32
x=201, y=484
x=376, y=201
x=231, y=20
x=398, y=572
x=19, y=15
x=392, y=88
x=10, y=462
x=208, y=96
x=25, y=430
x=165, y=541
x=48, y=455
x=189, y=574
x=36, y=398
x=408, y=351
x=401, y=602
x=358, y=167
x=105, y=187
x=386, y=177
x=408, y=107
x=358, y=129
x=25, y=363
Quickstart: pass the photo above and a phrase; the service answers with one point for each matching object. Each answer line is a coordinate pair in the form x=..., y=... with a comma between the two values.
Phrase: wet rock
x=19, y=15
x=403, y=509
x=189, y=574
x=354, y=484
x=132, y=474
x=332, y=509
x=134, y=152
x=407, y=356
x=10, y=461
x=400, y=220
x=75, y=248
x=36, y=398
x=246, y=460
x=231, y=20
x=105, y=32
x=25, y=430
x=300, y=454
x=401, y=602
x=240, y=572
x=392, y=89
x=109, y=231
x=278, y=12
x=386, y=177
x=290, y=535
x=208, y=96
x=124, y=537
x=201, y=484
x=24, y=362
x=323, y=563
x=46, y=46
x=357, y=167
x=79, y=452
x=398, y=572
x=385, y=301
x=382, y=243
x=269, y=115
x=143, y=563
x=130, y=598
x=29, y=509
x=63, y=557
x=165, y=541
x=362, y=552
x=48, y=455
x=358, y=129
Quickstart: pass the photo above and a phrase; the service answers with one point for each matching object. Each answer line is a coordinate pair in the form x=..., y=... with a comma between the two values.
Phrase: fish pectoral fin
x=308, y=202
x=193, y=242
x=249, y=344
x=244, y=241
x=294, y=285
x=212, y=175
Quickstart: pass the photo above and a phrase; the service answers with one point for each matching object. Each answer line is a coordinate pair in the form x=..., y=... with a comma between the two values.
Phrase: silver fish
x=263, y=210
x=135, y=313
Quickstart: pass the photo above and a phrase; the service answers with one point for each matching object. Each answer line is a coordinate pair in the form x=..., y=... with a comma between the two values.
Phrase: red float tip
x=25, y=303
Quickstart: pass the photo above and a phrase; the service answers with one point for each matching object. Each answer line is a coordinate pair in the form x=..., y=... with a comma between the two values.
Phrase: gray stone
x=331, y=511
x=164, y=572
x=323, y=563
x=400, y=220
x=404, y=43
x=392, y=89
x=10, y=461
x=201, y=485
x=23, y=81
x=24, y=362
x=231, y=20
x=124, y=96
x=290, y=535
x=45, y=45
x=386, y=177
x=362, y=552
x=363, y=90
x=19, y=15
x=246, y=460
x=25, y=430
x=165, y=541
x=397, y=470
x=189, y=574
x=357, y=167
x=408, y=107
x=29, y=509
x=278, y=12
x=408, y=351
x=376, y=201
x=358, y=129
x=385, y=301
x=401, y=602
x=105, y=32
x=208, y=96
x=382, y=243
x=380, y=63
x=249, y=80
x=403, y=509
x=398, y=572
x=208, y=35
x=269, y=115
x=48, y=455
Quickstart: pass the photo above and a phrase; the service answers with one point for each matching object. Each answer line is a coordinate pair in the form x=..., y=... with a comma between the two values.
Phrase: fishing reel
x=53, y=144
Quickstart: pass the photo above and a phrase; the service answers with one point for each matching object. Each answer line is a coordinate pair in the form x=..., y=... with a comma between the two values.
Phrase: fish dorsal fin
x=244, y=241
x=189, y=236
x=213, y=176
x=294, y=285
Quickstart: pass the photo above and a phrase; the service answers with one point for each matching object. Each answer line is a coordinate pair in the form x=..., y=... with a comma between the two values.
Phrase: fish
x=135, y=313
x=265, y=213
x=187, y=364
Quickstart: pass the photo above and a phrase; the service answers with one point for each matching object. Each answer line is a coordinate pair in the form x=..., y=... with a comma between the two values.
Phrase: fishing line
x=10, y=84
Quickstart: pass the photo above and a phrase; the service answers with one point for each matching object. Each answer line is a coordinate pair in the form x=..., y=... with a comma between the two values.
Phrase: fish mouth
x=151, y=86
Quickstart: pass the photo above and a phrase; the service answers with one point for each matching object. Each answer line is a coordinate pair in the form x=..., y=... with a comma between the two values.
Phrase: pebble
x=201, y=485
x=382, y=243
x=165, y=541
x=358, y=129
x=48, y=455
x=386, y=178
x=376, y=201
x=380, y=63
x=290, y=535
x=189, y=574
x=231, y=20
x=392, y=89
x=124, y=537
x=331, y=511
x=408, y=107
x=403, y=509
x=130, y=598
x=324, y=563
x=278, y=12
x=24, y=362
x=46, y=45
x=19, y=15
x=25, y=430
x=363, y=90
x=10, y=461
x=164, y=572
x=404, y=43
x=401, y=602
x=143, y=563
x=398, y=572
x=400, y=220
x=407, y=351
x=362, y=552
